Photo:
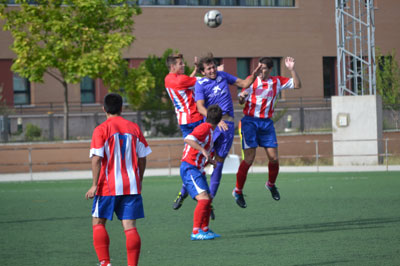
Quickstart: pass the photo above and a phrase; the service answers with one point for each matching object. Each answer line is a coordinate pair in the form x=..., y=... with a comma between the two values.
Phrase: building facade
x=303, y=29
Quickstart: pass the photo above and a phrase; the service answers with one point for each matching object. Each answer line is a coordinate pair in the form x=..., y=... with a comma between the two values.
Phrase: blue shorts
x=258, y=132
x=126, y=207
x=194, y=180
x=188, y=128
x=223, y=139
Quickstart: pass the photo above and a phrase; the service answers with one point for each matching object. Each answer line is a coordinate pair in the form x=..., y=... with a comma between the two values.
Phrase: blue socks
x=215, y=179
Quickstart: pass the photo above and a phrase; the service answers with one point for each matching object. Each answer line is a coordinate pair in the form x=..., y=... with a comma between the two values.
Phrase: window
x=87, y=90
x=329, y=66
x=271, y=3
x=243, y=67
x=22, y=90
x=276, y=69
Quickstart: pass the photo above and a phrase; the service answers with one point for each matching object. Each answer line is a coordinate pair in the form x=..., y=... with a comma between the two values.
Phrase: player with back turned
x=118, y=151
x=257, y=126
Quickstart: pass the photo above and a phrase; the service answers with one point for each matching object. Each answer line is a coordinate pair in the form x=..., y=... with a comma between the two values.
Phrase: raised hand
x=289, y=62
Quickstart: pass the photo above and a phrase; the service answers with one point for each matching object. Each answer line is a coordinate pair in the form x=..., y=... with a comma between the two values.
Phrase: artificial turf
x=321, y=219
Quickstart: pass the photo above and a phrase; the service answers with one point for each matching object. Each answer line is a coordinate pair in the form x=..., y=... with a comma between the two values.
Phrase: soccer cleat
x=202, y=236
x=179, y=201
x=212, y=214
x=274, y=192
x=104, y=263
x=239, y=199
x=210, y=232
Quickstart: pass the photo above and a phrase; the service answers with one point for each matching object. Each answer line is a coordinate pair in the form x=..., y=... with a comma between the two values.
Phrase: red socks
x=273, y=170
x=241, y=176
x=101, y=242
x=201, y=215
x=206, y=219
x=133, y=244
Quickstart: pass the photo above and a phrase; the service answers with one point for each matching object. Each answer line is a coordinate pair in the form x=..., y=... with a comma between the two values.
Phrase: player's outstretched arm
x=247, y=82
x=96, y=168
x=196, y=61
x=290, y=62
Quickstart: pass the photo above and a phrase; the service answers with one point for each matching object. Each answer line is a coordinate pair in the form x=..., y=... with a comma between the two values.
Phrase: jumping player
x=213, y=89
x=196, y=155
x=257, y=126
x=180, y=89
x=118, y=151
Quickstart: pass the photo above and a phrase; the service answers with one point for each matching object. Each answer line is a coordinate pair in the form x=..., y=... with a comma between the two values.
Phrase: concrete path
x=71, y=175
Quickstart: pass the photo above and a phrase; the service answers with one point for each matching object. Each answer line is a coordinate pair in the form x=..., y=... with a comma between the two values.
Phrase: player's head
x=266, y=66
x=214, y=114
x=176, y=64
x=113, y=103
x=208, y=67
x=267, y=61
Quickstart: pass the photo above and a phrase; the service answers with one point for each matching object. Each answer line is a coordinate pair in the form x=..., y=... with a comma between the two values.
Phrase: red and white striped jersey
x=203, y=135
x=263, y=94
x=120, y=143
x=180, y=89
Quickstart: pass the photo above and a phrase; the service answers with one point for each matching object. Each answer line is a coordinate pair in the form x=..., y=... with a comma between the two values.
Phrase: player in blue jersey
x=213, y=88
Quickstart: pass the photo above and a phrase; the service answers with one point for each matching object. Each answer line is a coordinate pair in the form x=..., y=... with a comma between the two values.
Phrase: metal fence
x=163, y=123
x=314, y=153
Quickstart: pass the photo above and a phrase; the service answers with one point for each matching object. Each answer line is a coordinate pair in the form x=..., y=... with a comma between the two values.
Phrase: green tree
x=72, y=39
x=388, y=82
x=4, y=109
x=158, y=108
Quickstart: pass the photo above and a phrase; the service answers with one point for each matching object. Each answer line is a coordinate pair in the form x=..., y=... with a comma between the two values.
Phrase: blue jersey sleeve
x=198, y=91
x=229, y=78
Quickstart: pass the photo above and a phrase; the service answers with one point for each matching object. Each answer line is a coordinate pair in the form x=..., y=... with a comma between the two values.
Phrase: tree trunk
x=66, y=112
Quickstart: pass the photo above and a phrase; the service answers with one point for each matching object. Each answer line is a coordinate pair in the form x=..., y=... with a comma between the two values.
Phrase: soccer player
x=118, y=151
x=257, y=126
x=180, y=89
x=213, y=89
x=196, y=155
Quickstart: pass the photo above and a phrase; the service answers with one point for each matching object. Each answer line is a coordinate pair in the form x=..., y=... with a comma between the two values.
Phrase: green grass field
x=322, y=219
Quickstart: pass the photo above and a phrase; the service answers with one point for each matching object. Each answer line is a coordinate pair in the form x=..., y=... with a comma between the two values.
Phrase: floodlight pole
x=355, y=42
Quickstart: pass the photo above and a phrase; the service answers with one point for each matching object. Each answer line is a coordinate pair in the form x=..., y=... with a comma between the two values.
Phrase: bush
x=32, y=132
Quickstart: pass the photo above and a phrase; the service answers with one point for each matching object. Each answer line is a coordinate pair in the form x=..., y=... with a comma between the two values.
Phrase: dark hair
x=267, y=60
x=171, y=60
x=214, y=114
x=207, y=60
x=113, y=103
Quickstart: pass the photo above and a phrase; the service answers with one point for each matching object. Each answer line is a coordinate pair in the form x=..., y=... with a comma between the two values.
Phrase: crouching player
x=196, y=155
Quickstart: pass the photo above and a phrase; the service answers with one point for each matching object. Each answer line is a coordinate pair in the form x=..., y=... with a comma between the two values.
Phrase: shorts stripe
x=198, y=189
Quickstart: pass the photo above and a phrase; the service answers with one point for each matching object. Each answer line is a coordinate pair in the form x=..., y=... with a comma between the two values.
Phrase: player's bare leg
x=241, y=176
x=273, y=170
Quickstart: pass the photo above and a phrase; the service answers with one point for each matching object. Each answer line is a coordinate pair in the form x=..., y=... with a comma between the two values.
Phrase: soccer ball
x=213, y=18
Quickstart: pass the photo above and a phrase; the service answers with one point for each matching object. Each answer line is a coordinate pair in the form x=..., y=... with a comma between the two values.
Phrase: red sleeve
x=97, y=138
x=185, y=82
x=200, y=132
x=283, y=80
